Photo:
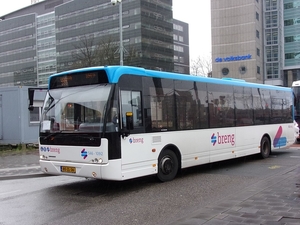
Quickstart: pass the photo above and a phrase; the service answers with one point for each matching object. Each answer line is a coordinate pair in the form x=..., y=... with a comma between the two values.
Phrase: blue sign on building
x=233, y=58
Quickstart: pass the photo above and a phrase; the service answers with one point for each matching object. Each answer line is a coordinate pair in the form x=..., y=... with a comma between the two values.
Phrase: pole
x=121, y=33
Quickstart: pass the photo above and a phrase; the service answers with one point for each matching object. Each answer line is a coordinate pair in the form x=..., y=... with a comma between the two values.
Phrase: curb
x=23, y=176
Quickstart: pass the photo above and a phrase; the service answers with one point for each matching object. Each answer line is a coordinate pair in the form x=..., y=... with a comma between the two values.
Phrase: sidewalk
x=273, y=201
x=19, y=164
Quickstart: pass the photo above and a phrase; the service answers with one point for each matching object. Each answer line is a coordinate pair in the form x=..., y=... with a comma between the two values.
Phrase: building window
x=34, y=115
x=294, y=55
x=289, y=22
x=288, y=5
x=272, y=53
x=272, y=70
x=179, y=69
x=271, y=36
x=271, y=19
x=225, y=71
x=257, y=16
x=257, y=33
x=181, y=59
x=258, y=52
x=258, y=69
x=243, y=69
x=178, y=48
x=271, y=4
x=289, y=39
x=177, y=27
x=274, y=19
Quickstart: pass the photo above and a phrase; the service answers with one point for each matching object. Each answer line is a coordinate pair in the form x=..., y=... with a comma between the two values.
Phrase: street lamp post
x=121, y=49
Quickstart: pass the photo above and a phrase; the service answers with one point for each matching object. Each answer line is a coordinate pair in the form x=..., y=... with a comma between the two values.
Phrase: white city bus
x=118, y=122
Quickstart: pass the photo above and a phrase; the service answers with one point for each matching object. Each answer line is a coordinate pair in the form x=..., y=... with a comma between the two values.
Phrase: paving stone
x=236, y=219
x=189, y=221
x=217, y=222
x=248, y=210
x=271, y=217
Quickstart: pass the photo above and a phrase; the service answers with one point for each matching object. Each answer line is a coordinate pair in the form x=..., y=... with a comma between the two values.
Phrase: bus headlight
x=43, y=157
x=97, y=160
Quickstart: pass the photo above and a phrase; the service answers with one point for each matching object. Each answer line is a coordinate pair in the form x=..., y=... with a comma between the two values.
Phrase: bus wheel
x=265, y=147
x=167, y=165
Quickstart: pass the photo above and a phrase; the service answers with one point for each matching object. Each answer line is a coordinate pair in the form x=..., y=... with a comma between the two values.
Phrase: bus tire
x=265, y=147
x=167, y=165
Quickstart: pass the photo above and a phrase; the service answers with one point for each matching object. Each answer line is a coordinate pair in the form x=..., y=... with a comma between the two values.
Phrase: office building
x=256, y=40
x=47, y=37
x=237, y=39
x=291, y=41
x=181, y=47
x=28, y=45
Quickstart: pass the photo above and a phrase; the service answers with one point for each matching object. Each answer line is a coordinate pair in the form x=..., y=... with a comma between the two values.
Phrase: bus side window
x=131, y=102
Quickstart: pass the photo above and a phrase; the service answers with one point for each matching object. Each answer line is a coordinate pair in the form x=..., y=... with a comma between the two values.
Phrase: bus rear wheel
x=167, y=165
x=265, y=147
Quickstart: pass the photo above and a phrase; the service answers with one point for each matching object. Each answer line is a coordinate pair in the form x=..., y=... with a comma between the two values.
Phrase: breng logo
x=84, y=153
x=136, y=140
x=213, y=139
x=222, y=139
x=279, y=141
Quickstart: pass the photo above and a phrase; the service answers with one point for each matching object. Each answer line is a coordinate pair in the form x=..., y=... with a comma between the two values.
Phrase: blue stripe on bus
x=115, y=72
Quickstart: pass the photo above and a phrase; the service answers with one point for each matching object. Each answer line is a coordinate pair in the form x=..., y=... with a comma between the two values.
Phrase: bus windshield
x=79, y=109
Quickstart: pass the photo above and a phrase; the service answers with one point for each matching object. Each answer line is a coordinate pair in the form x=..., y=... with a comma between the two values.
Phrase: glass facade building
x=147, y=27
x=273, y=42
x=46, y=47
x=43, y=38
x=18, y=51
x=291, y=40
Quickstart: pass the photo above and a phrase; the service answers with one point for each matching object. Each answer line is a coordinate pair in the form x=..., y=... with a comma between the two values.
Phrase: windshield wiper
x=52, y=134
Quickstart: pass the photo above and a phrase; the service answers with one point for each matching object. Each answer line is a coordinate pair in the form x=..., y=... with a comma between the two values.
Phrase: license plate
x=68, y=169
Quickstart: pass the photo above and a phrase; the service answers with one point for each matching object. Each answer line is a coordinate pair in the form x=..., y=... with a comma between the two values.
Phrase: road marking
x=274, y=167
x=295, y=156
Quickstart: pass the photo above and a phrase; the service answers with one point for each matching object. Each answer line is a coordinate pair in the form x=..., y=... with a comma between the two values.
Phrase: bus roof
x=115, y=72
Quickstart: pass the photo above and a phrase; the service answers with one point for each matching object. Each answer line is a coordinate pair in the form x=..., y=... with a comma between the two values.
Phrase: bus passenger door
x=131, y=102
x=134, y=146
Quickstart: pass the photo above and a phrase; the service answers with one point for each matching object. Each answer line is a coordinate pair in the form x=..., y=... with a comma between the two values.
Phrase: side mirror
x=30, y=107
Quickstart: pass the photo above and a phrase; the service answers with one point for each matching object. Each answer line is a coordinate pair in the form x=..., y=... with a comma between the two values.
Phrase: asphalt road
x=68, y=200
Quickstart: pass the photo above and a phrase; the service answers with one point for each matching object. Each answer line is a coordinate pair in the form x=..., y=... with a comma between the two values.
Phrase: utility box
x=18, y=124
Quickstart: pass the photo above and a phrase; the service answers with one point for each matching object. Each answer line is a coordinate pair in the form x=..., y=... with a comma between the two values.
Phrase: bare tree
x=85, y=52
x=201, y=66
x=88, y=52
x=106, y=52
x=131, y=55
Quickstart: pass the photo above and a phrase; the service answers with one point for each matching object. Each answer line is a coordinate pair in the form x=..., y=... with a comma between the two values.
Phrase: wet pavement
x=19, y=164
x=275, y=200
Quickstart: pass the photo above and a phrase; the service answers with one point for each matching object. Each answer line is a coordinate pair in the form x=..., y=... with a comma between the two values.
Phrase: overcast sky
x=194, y=12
